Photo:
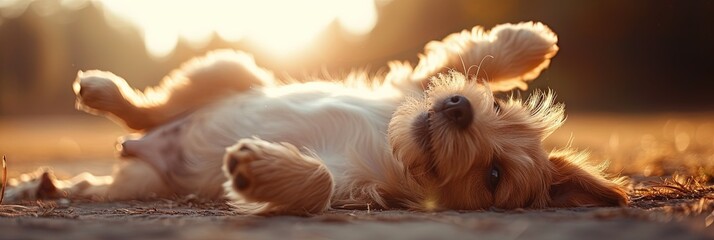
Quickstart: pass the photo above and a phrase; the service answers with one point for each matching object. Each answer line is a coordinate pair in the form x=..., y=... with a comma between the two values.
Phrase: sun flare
x=279, y=26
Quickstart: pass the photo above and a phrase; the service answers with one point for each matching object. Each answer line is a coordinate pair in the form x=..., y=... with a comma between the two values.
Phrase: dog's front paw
x=237, y=162
x=279, y=175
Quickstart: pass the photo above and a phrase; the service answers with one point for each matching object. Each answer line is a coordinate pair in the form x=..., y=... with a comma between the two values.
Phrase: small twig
x=16, y=210
x=679, y=188
x=4, y=179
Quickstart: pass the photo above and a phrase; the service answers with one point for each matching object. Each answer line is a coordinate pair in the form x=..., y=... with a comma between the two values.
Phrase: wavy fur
x=222, y=126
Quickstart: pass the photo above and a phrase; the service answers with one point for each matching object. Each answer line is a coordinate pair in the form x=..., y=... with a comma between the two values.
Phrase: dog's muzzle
x=457, y=109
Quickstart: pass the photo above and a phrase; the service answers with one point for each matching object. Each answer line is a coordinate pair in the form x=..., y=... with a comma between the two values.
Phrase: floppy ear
x=576, y=183
x=508, y=55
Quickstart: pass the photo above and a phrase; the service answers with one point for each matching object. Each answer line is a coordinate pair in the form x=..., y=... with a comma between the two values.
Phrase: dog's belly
x=342, y=129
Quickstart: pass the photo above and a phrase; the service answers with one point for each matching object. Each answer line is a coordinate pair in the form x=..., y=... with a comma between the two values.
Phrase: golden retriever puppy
x=423, y=137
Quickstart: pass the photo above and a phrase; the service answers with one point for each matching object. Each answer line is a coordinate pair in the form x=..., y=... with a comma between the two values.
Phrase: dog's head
x=470, y=150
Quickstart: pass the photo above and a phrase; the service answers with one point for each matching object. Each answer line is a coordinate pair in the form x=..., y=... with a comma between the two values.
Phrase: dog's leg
x=132, y=180
x=506, y=56
x=278, y=175
x=197, y=83
x=135, y=179
x=38, y=185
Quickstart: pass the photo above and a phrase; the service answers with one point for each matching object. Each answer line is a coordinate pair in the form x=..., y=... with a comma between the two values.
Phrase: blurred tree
x=627, y=56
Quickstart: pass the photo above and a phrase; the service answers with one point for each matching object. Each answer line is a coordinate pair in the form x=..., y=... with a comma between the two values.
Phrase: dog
x=426, y=138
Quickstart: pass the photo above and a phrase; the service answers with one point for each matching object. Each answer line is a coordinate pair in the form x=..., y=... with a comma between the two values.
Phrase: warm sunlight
x=279, y=26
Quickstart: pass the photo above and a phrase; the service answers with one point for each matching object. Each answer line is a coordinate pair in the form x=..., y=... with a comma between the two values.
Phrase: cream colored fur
x=222, y=126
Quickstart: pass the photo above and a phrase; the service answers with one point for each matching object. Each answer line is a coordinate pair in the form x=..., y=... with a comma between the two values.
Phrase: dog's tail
x=507, y=56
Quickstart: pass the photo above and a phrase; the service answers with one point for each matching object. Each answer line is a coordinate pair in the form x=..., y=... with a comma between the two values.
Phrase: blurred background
x=636, y=76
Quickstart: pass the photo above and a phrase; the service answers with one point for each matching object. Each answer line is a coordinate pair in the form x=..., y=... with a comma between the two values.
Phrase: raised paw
x=277, y=174
x=101, y=92
x=98, y=92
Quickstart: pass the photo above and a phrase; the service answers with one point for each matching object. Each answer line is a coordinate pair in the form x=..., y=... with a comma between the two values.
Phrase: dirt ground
x=669, y=159
x=195, y=220
x=189, y=220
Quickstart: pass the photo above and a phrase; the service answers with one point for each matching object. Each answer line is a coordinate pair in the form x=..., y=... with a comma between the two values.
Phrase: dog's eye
x=494, y=176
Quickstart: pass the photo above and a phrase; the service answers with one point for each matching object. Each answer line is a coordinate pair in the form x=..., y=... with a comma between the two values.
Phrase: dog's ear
x=506, y=56
x=576, y=183
x=520, y=52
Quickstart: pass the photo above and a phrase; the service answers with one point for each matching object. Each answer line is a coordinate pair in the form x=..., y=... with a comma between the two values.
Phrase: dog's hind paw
x=28, y=187
x=102, y=93
x=279, y=175
x=98, y=92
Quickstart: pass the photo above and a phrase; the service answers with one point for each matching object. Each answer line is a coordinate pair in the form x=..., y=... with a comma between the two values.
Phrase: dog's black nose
x=458, y=109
